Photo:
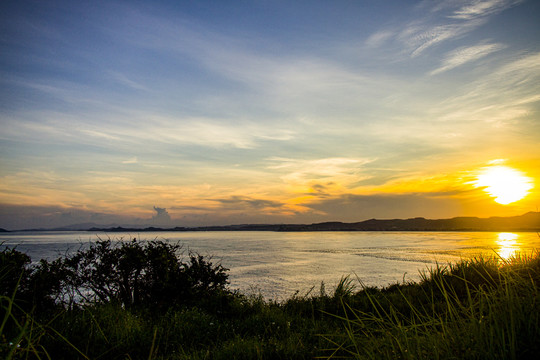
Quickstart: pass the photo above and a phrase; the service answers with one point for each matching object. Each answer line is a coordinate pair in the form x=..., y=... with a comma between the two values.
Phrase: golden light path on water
x=508, y=245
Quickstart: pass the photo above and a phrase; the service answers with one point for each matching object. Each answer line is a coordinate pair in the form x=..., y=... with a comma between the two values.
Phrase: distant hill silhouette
x=526, y=222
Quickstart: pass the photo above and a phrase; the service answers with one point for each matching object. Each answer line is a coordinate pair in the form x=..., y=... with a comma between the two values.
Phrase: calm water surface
x=278, y=265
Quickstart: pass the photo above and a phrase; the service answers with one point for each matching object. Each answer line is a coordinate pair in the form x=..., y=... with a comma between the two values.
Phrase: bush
x=32, y=287
x=135, y=273
x=13, y=269
x=150, y=274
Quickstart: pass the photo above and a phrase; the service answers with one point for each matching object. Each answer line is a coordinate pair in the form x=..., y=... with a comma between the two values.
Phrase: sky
x=191, y=113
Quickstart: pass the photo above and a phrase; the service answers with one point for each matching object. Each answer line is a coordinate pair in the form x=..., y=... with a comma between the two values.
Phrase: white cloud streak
x=379, y=38
x=132, y=129
x=480, y=8
x=124, y=80
x=344, y=171
x=424, y=38
x=132, y=160
x=465, y=55
x=441, y=22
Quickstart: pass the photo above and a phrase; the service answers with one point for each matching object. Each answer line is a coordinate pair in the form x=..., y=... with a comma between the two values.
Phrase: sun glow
x=505, y=184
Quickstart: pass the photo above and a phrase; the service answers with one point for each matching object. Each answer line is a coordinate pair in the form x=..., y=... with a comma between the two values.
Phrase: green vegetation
x=146, y=300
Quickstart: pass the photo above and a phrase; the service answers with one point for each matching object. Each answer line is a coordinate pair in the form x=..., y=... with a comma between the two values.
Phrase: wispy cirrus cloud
x=129, y=128
x=420, y=38
x=132, y=160
x=507, y=91
x=466, y=54
x=379, y=38
x=208, y=132
x=316, y=175
x=440, y=22
x=126, y=81
x=480, y=8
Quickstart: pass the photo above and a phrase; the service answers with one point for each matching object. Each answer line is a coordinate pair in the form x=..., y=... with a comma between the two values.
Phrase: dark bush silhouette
x=31, y=287
x=133, y=274
x=13, y=269
x=139, y=273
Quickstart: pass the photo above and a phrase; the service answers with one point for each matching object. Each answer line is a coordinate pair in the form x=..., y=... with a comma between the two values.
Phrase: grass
x=25, y=334
x=475, y=309
x=471, y=310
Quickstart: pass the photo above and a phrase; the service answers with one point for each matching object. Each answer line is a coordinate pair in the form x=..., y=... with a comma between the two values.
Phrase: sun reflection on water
x=508, y=245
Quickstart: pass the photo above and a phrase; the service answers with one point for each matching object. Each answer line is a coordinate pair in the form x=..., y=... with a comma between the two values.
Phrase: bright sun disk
x=505, y=184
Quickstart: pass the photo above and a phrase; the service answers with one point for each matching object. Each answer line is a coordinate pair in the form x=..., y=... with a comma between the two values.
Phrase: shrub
x=13, y=269
x=135, y=273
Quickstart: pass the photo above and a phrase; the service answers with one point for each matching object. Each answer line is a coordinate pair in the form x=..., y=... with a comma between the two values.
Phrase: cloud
x=502, y=97
x=245, y=202
x=351, y=207
x=320, y=190
x=207, y=132
x=132, y=160
x=126, y=81
x=521, y=69
x=133, y=128
x=421, y=39
x=441, y=22
x=18, y=217
x=419, y=35
x=100, y=134
x=235, y=209
x=258, y=81
x=465, y=55
x=317, y=167
x=161, y=217
x=315, y=174
x=478, y=8
x=379, y=38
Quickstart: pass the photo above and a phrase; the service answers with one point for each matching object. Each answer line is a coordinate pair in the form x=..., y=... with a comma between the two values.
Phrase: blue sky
x=263, y=111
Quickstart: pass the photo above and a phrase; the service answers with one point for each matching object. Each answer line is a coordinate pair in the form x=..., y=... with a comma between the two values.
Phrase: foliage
x=133, y=274
x=36, y=286
x=13, y=267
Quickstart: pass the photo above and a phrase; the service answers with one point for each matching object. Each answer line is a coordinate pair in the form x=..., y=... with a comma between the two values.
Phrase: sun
x=505, y=184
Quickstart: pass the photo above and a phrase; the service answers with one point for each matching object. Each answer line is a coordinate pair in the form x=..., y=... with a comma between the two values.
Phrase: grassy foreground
x=476, y=309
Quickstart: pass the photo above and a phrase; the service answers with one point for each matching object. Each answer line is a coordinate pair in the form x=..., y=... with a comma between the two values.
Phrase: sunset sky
x=226, y=112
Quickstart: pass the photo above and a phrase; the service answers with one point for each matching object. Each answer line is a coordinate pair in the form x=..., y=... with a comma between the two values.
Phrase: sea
x=279, y=265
